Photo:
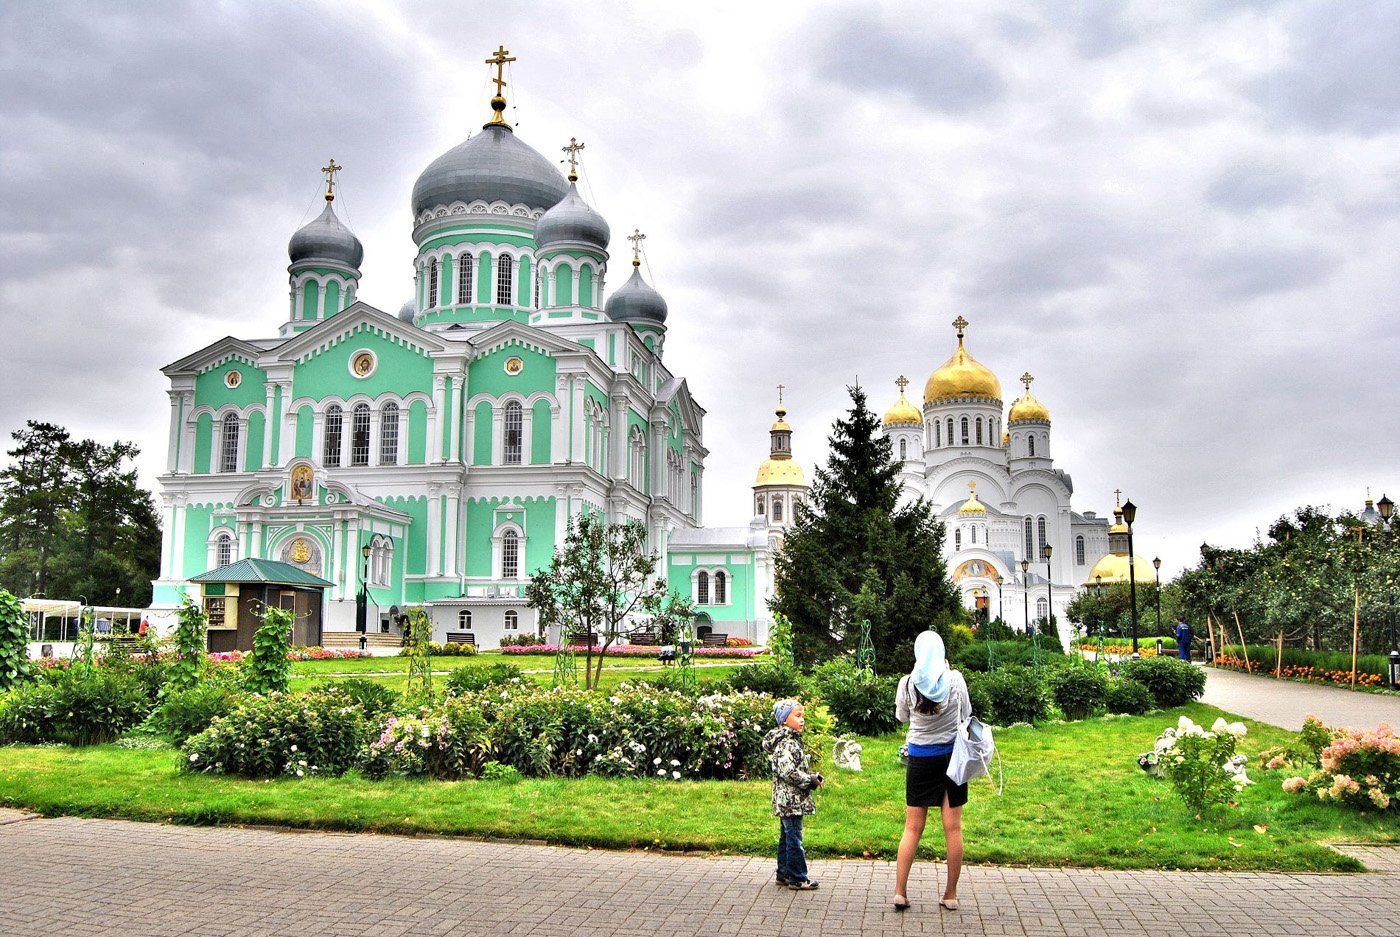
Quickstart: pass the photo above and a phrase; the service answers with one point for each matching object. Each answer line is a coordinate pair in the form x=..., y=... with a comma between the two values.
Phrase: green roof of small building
x=268, y=571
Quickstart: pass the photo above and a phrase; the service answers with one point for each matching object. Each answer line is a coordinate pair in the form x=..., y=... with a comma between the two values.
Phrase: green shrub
x=1171, y=682
x=448, y=742
x=1078, y=691
x=959, y=637
x=184, y=713
x=495, y=771
x=1265, y=657
x=138, y=660
x=772, y=677
x=187, y=664
x=446, y=650
x=376, y=699
x=994, y=630
x=470, y=679
x=983, y=656
x=87, y=706
x=859, y=701
x=670, y=678
x=322, y=732
x=14, y=642
x=1015, y=694
x=978, y=697
x=1128, y=697
x=266, y=670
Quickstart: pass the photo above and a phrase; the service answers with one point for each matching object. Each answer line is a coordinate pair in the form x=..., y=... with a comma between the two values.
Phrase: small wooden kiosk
x=233, y=595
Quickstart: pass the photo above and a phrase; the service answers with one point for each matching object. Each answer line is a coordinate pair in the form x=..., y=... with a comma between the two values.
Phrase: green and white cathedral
x=435, y=457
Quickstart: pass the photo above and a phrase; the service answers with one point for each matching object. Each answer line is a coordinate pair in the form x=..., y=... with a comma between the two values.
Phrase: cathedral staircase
x=351, y=639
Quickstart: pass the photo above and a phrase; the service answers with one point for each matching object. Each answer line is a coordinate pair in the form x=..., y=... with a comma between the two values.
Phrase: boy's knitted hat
x=783, y=708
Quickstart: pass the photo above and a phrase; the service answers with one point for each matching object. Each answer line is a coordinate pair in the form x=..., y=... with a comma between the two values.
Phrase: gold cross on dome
x=330, y=171
x=961, y=325
x=972, y=489
x=1026, y=379
x=573, y=149
x=781, y=388
x=1117, y=497
x=901, y=382
x=636, y=237
x=499, y=59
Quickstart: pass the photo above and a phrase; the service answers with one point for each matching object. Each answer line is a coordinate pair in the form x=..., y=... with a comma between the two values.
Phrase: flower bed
x=638, y=650
x=1124, y=650
x=1358, y=767
x=1301, y=672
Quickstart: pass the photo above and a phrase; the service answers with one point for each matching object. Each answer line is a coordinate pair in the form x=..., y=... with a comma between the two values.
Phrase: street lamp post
x=1045, y=551
x=1098, y=608
x=1129, y=515
x=1026, y=593
x=1157, y=574
x=362, y=600
x=1387, y=508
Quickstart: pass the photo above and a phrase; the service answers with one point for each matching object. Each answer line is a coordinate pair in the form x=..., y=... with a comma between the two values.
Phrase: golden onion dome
x=903, y=413
x=1113, y=567
x=1005, y=438
x=972, y=506
x=961, y=375
x=780, y=472
x=1028, y=408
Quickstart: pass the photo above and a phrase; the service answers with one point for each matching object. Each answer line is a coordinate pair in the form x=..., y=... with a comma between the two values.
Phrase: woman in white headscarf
x=933, y=700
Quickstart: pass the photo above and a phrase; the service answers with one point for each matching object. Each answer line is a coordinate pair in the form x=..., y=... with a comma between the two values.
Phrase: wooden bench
x=644, y=638
x=714, y=639
x=461, y=637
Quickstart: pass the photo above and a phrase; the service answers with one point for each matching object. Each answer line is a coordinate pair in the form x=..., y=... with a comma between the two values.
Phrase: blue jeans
x=792, y=858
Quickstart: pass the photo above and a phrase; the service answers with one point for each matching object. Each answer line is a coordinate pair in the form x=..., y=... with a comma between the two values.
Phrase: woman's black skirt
x=926, y=782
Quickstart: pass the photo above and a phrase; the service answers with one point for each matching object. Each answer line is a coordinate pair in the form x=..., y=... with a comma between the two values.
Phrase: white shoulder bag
x=973, y=749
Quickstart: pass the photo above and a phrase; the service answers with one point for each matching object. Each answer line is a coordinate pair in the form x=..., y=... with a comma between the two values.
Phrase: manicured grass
x=1074, y=796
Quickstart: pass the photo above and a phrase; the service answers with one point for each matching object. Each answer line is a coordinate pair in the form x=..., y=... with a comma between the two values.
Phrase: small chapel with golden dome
x=1015, y=547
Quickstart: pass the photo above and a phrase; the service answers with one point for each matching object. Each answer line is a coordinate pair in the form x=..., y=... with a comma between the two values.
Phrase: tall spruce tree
x=854, y=552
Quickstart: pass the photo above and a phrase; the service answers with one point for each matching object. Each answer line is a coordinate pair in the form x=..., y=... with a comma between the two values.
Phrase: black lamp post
x=1387, y=508
x=362, y=600
x=1026, y=593
x=1129, y=515
x=1157, y=574
x=1045, y=551
x=1098, y=605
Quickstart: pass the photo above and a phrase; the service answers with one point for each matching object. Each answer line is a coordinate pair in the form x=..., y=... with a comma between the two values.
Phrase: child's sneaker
x=805, y=885
x=781, y=881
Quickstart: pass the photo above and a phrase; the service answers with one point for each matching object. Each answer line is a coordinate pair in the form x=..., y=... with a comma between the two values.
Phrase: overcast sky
x=1180, y=217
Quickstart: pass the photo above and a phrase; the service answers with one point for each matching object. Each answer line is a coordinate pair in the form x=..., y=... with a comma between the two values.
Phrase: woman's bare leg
x=914, y=820
x=952, y=834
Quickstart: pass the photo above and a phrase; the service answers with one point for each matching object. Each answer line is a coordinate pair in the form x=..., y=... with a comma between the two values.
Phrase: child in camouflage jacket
x=793, y=784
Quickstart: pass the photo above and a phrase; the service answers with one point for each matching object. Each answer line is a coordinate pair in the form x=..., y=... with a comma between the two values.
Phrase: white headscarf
x=930, y=675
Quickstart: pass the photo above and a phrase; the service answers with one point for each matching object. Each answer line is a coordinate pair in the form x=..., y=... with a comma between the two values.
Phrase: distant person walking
x=1183, y=638
x=933, y=700
x=793, y=784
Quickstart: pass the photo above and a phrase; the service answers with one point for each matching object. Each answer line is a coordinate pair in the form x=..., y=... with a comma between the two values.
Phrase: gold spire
x=903, y=411
x=972, y=505
x=961, y=375
x=330, y=171
x=1027, y=379
x=636, y=237
x=781, y=413
x=572, y=159
x=498, y=103
x=780, y=468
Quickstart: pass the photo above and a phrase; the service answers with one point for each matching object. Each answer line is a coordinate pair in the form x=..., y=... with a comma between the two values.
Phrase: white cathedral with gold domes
x=1015, y=547
x=435, y=457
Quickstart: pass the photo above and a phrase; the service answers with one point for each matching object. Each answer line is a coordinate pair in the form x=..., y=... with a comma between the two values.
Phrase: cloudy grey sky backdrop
x=1180, y=217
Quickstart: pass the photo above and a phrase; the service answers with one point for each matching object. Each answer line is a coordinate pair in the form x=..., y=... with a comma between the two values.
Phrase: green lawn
x=1074, y=796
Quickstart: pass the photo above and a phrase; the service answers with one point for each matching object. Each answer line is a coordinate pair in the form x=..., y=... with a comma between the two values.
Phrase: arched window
x=949, y=437
x=903, y=451
x=1030, y=544
x=1079, y=551
x=512, y=620
x=979, y=431
x=389, y=434
x=224, y=552
x=702, y=589
x=538, y=277
x=359, y=434
x=510, y=555
x=957, y=539
x=1040, y=529
x=464, y=279
x=721, y=581
x=973, y=532
x=464, y=620
x=759, y=507
x=1030, y=441
x=513, y=443
x=432, y=283
x=1042, y=609
x=505, y=272
x=937, y=434
x=777, y=509
x=333, y=431
x=964, y=431
x=228, y=452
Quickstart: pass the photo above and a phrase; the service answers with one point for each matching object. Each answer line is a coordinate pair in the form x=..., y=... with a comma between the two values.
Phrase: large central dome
x=961, y=375
x=493, y=166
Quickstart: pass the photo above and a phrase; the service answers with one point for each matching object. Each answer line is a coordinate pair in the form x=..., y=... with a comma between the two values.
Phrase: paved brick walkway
x=101, y=877
x=1285, y=702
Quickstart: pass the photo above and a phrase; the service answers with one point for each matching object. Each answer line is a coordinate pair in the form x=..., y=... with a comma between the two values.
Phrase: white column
x=187, y=433
x=269, y=425
x=177, y=546
x=436, y=417
x=173, y=442
x=617, y=431
x=576, y=420
x=434, y=565
x=454, y=449
x=286, y=446
x=334, y=561
x=451, y=532
x=658, y=459
x=560, y=431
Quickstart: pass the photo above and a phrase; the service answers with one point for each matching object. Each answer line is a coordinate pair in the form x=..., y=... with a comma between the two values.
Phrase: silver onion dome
x=326, y=238
x=407, y=311
x=492, y=166
x=572, y=220
x=636, y=302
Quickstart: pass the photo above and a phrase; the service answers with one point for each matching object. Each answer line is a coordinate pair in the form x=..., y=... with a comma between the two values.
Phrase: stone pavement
x=1285, y=702
x=100, y=877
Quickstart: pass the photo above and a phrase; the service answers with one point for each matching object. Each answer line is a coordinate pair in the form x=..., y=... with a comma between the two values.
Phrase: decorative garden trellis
x=420, y=657
x=687, y=654
x=565, y=667
x=865, y=653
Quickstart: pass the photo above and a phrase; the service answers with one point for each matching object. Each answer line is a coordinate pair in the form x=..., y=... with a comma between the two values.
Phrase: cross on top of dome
x=901, y=382
x=330, y=170
x=498, y=103
x=961, y=325
x=1027, y=379
x=636, y=237
x=572, y=159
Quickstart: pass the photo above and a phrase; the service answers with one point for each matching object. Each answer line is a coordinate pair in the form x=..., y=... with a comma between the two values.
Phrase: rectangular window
x=510, y=556
x=359, y=436
x=1040, y=527
x=432, y=284
x=333, y=430
x=464, y=279
x=504, y=279
x=389, y=435
x=228, y=461
x=514, y=441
